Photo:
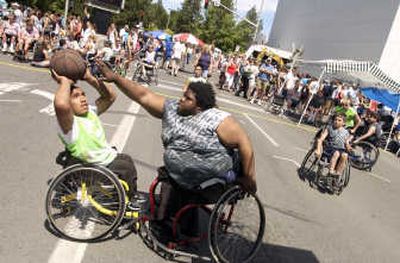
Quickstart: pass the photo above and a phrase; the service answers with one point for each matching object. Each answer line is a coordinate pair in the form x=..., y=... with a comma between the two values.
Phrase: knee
x=344, y=156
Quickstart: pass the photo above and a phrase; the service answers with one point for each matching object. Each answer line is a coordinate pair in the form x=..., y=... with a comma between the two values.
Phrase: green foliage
x=189, y=17
x=245, y=31
x=153, y=15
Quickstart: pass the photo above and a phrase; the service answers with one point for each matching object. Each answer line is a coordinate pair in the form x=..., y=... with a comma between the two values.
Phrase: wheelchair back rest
x=278, y=100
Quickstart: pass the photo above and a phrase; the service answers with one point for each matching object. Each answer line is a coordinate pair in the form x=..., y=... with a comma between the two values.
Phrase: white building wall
x=390, y=58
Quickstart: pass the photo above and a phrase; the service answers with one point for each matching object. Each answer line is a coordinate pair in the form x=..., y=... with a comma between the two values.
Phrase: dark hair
x=204, y=93
x=340, y=115
x=73, y=87
x=373, y=114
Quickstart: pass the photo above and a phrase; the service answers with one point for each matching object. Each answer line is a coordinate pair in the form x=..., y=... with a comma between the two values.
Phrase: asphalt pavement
x=303, y=224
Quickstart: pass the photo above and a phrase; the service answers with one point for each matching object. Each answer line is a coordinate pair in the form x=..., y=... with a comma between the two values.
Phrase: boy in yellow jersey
x=81, y=130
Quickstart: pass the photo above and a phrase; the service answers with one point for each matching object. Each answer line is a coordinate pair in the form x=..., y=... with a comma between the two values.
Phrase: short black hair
x=73, y=86
x=204, y=93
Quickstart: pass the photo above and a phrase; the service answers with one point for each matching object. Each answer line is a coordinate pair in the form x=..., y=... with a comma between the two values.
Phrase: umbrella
x=188, y=38
x=159, y=34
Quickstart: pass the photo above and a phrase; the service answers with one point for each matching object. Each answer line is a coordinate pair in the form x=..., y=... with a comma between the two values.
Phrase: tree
x=245, y=31
x=189, y=17
x=153, y=15
x=219, y=27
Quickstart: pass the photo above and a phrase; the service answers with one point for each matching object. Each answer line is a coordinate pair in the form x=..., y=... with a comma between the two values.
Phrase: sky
x=242, y=6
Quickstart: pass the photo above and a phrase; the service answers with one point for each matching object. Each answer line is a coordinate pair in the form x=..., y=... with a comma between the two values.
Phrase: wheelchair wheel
x=364, y=155
x=137, y=73
x=383, y=140
x=85, y=203
x=155, y=72
x=309, y=167
x=236, y=227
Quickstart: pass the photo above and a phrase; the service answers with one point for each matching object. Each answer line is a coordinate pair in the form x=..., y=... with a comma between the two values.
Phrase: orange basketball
x=68, y=63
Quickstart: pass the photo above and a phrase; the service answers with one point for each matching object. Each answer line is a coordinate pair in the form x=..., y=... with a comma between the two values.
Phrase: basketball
x=68, y=63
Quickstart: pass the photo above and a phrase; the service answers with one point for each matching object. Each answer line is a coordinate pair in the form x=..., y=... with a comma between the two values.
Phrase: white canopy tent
x=366, y=71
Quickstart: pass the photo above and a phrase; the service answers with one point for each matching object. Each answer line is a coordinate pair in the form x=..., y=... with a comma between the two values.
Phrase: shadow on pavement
x=281, y=254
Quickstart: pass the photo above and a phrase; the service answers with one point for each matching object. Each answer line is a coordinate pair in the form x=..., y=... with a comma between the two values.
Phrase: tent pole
x=312, y=95
x=392, y=128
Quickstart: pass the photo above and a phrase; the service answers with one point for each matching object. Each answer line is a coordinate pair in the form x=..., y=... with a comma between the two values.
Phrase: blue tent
x=383, y=96
x=158, y=34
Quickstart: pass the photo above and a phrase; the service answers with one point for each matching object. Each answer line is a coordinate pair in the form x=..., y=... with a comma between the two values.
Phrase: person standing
x=177, y=52
x=204, y=61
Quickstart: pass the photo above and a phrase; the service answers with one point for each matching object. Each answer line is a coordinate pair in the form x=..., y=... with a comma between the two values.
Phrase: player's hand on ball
x=107, y=73
x=61, y=79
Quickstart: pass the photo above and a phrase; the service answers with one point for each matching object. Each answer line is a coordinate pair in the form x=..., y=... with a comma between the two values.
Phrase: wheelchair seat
x=207, y=192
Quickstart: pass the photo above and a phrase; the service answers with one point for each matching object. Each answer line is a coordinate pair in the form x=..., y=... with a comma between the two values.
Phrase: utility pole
x=217, y=3
x=66, y=13
x=258, y=22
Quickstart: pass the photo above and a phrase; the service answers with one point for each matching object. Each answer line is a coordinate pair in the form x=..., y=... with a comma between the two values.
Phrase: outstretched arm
x=152, y=102
x=107, y=94
x=233, y=136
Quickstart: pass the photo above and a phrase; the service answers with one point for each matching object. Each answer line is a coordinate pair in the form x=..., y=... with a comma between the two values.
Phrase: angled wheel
x=85, y=203
x=309, y=166
x=236, y=227
x=364, y=155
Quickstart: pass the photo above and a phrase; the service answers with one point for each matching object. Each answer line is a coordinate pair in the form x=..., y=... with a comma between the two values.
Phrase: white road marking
x=301, y=149
x=45, y=94
x=73, y=252
x=109, y=125
x=49, y=109
x=287, y=159
x=168, y=87
x=10, y=100
x=12, y=86
x=378, y=177
x=262, y=131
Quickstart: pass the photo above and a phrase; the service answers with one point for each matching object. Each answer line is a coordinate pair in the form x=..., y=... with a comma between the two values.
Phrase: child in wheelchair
x=336, y=141
x=82, y=132
x=149, y=61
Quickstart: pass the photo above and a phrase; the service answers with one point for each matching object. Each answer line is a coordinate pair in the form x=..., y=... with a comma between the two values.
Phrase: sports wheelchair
x=85, y=203
x=150, y=75
x=316, y=171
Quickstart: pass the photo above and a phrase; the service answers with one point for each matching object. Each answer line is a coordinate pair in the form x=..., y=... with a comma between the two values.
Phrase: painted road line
x=12, y=86
x=301, y=149
x=49, y=109
x=109, y=125
x=378, y=177
x=287, y=159
x=73, y=252
x=270, y=139
x=168, y=87
x=24, y=67
x=10, y=100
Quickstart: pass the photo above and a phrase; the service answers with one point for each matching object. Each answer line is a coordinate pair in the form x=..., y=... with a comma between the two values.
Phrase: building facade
x=341, y=29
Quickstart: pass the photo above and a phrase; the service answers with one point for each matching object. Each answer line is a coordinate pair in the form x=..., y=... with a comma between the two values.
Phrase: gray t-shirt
x=337, y=137
x=193, y=152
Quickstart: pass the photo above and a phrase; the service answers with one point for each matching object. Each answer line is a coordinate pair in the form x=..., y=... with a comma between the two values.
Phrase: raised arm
x=233, y=136
x=62, y=106
x=107, y=94
x=150, y=101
